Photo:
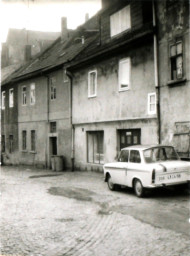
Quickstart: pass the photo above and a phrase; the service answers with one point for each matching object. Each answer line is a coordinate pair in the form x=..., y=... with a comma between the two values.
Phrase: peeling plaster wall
x=173, y=18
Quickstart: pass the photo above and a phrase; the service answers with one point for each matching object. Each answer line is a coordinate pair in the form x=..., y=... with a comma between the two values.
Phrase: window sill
x=24, y=151
x=91, y=96
x=124, y=90
x=33, y=152
x=176, y=82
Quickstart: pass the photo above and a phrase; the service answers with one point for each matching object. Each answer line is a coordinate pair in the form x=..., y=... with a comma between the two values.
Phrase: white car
x=146, y=167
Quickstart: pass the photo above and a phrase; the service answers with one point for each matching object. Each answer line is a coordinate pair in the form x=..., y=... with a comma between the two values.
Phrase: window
x=24, y=95
x=135, y=156
x=120, y=21
x=11, y=98
x=129, y=137
x=33, y=140
x=53, y=88
x=65, y=77
x=95, y=149
x=24, y=140
x=32, y=94
x=53, y=127
x=3, y=143
x=176, y=61
x=124, y=74
x=124, y=156
x=10, y=143
x=92, y=83
x=3, y=100
x=152, y=103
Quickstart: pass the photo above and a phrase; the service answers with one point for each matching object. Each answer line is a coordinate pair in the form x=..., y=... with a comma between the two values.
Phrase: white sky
x=44, y=15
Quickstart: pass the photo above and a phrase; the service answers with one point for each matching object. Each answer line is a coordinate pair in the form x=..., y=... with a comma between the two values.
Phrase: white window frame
x=126, y=60
x=117, y=25
x=11, y=101
x=3, y=97
x=89, y=85
x=149, y=104
x=32, y=102
x=24, y=93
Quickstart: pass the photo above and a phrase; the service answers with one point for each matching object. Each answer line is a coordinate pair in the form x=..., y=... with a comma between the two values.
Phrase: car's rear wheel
x=110, y=183
x=138, y=188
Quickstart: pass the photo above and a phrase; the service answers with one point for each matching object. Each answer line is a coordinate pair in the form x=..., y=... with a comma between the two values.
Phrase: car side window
x=135, y=156
x=124, y=156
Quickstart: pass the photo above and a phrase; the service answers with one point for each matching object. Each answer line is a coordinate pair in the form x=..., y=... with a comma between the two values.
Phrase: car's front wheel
x=110, y=183
x=138, y=188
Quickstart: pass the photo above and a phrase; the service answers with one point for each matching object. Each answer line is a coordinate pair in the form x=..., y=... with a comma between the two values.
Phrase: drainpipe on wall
x=70, y=75
x=47, y=117
x=156, y=72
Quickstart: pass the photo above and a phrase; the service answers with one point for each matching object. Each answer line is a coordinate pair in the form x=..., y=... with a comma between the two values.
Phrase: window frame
x=53, y=127
x=32, y=96
x=24, y=143
x=11, y=102
x=97, y=135
x=175, y=57
x=24, y=94
x=3, y=99
x=118, y=28
x=133, y=151
x=53, y=88
x=126, y=60
x=33, y=140
x=89, y=83
x=149, y=104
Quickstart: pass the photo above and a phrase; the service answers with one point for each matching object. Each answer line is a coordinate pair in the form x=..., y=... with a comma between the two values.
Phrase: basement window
x=120, y=21
x=95, y=149
x=176, y=61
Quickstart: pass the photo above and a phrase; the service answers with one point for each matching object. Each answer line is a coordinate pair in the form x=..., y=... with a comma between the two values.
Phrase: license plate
x=170, y=177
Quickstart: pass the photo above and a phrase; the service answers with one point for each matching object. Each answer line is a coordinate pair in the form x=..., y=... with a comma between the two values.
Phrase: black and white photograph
x=95, y=127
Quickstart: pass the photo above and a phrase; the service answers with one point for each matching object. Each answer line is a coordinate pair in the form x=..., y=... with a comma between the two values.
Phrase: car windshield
x=158, y=154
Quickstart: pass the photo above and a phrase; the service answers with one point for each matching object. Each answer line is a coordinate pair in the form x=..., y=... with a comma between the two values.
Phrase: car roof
x=143, y=147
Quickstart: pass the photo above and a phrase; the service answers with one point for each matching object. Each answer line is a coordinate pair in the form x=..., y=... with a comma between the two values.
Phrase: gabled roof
x=58, y=53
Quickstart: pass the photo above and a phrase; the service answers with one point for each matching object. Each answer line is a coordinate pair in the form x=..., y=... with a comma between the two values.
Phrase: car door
x=121, y=171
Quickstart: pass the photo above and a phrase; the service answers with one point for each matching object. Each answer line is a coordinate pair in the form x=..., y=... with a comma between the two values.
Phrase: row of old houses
x=119, y=79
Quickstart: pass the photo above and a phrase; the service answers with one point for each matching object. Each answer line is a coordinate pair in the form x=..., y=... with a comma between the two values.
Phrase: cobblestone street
x=45, y=213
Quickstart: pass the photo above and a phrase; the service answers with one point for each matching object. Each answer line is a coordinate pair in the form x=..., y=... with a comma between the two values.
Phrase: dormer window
x=120, y=21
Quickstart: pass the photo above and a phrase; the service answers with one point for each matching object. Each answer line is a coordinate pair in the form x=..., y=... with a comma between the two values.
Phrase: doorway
x=129, y=137
x=53, y=146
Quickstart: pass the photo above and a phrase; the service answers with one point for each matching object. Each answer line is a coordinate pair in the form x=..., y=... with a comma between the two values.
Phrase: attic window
x=120, y=21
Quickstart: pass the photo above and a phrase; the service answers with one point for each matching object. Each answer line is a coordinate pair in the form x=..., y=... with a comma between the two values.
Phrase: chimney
x=27, y=55
x=86, y=17
x=64, y=32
